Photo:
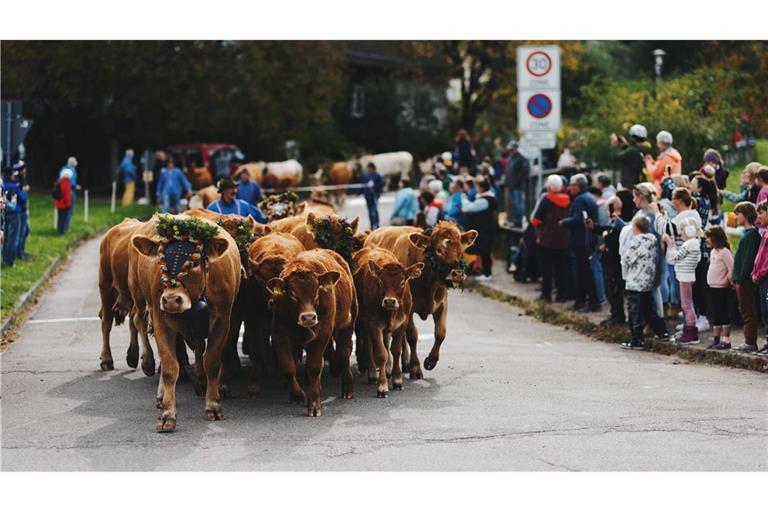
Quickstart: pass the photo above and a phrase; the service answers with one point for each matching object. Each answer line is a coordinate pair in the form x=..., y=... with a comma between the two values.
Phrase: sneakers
x=690, y=336
x=482, y=278
x=721, y=346
x=663, y=337
x=763, y=351
x=592, y=307
x=702, y=324
x=639, y=345
x=746, y=347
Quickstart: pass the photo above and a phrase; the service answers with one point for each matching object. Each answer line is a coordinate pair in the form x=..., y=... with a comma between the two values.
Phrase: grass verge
x=616, y=334
x=45, y=245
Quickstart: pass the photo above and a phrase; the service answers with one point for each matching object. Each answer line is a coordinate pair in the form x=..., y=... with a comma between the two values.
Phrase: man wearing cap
x=247, y=190
x=517, y=172
x=16, y=200
x=373, y=185
x=668, y=156
x=128, y=173
x=229, y=204
x=170, y=186
x=631, y=155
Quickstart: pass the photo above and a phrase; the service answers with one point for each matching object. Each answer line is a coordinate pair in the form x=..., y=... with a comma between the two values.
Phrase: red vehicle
x=204, y=163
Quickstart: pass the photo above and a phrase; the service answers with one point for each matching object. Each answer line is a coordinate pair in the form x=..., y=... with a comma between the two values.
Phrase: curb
x=31, y=295
x=582, y=324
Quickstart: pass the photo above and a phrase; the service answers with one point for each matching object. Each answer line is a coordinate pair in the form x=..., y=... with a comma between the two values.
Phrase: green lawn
x=45, y=244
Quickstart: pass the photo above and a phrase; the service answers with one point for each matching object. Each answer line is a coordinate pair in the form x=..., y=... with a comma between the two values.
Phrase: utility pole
x=658, y=55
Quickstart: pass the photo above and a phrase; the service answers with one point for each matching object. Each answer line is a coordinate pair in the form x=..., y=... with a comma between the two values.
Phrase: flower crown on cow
x=442, y=269
x=244, y=238
x=336, y=237
x=284, y=197
x=174, y=230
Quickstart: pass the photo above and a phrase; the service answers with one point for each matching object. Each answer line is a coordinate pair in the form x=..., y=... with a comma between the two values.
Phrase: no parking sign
x=538, y=111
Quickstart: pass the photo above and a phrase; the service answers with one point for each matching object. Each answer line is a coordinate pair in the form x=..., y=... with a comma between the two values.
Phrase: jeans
x=373, y=212
x=170, y=201
x=11, y=242
x=65, y=217
x=21, y=253
x=640, y=309
x=672, y=295
x=597, y=270
x=518, y=198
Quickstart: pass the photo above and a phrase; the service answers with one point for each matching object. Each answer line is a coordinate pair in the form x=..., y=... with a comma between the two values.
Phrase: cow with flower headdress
x=186, y=276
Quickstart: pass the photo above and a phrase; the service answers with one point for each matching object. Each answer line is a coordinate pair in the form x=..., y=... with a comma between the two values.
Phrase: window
x=357, y=110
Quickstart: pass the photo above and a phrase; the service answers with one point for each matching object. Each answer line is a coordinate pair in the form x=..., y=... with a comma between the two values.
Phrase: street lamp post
x=658, y=55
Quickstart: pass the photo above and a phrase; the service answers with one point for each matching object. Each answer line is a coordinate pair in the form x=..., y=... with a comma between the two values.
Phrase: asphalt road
x=509, y=393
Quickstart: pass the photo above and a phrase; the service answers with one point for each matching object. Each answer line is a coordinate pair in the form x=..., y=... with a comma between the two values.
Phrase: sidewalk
x=504, y=288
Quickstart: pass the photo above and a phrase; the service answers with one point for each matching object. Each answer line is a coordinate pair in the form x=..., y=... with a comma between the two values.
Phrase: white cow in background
x=393, y=166
x=275, y=174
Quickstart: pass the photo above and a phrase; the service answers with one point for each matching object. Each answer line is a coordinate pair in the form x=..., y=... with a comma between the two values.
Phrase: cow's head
x=337, y=227
x=267, y=268
x=299, y=292
x=392, y=279
x=446, y=244
x=178, y=299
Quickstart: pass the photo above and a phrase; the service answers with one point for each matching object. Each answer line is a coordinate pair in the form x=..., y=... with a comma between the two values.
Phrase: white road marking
x=57, y=320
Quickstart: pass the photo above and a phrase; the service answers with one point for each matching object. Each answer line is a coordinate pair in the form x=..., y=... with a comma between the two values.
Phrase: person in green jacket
x=743, y=261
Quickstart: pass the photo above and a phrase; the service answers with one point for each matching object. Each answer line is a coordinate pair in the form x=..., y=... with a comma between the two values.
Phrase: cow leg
x=147, y=355
x=185, y=370
x=132, y=356
x=380, y=354
x=108, y=297
x=343, y=353
x=314, y=367
x=405, y=358
x=217, y=339
x=360, y=351
x=198, y=382
x=169, y=374
x=440, y=316
x=287, y=365
x=413, y=337
x=398, y=343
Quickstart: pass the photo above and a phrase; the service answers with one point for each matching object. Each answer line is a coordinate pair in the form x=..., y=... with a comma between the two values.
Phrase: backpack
x=56, y=193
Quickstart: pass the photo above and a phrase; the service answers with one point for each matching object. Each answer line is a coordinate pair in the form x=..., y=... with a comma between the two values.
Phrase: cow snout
x=308, y=319
x=174, y=302
x=389, y=303
x=456, y=275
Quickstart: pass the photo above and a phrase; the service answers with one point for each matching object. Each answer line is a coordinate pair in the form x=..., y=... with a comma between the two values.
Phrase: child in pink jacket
x=719, y=281
x=760, y=271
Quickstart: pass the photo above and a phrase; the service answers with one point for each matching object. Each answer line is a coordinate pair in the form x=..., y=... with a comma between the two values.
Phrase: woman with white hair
x=72, y=167
x=552, y=239
x=669, y=157
x=65, y=200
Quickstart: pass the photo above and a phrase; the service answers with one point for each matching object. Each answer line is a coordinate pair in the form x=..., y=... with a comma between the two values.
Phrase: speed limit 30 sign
x=538, y=67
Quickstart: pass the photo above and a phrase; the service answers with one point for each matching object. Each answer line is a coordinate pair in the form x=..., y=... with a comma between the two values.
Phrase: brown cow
x=313, y=299
x=216, y=277
x=204, y=197
x=199, y=177
x=303, y=226
x=338, y=174
x=116, y=303
x=385, y=305
x=442, y=250
x=267, y=256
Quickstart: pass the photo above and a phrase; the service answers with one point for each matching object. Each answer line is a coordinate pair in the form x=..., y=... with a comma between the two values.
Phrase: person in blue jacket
x=170, y=186
x=248, y=190
x=581, y=241
x=229, y=204
x=15, y=204
x=128, y=173
x=374, y=184
x=406, y=205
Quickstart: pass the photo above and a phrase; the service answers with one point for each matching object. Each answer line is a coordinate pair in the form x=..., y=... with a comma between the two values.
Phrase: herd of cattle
x=295, y=298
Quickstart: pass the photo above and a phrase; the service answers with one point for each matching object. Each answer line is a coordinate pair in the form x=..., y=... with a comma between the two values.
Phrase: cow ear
x=250, y=220
x=298, y=209
x=145, y=245
x=328, y=279
x=311, y=221
x=414, y=271
x=419, y=240
x=216, y=247
x=354, y=224
x=374, y=268
x=468, y=238
x=276, y=286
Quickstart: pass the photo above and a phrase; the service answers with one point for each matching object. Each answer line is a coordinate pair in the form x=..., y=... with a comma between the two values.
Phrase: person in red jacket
x=64, y=205
x=552, y=239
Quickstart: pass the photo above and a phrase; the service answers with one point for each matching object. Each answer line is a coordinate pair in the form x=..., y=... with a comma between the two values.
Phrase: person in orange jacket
x=668, y=156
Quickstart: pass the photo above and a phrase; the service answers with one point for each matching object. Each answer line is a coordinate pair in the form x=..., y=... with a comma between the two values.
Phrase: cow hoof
x=397, y=385
x=107, y=366
x=314, y=412
x=416, y=374
x=224, y=391
x=148, y=368
x=132, y=358
x=214, y=414
x=430, y=363
x=347, y=395
x=381, y=393
x=166, y=424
